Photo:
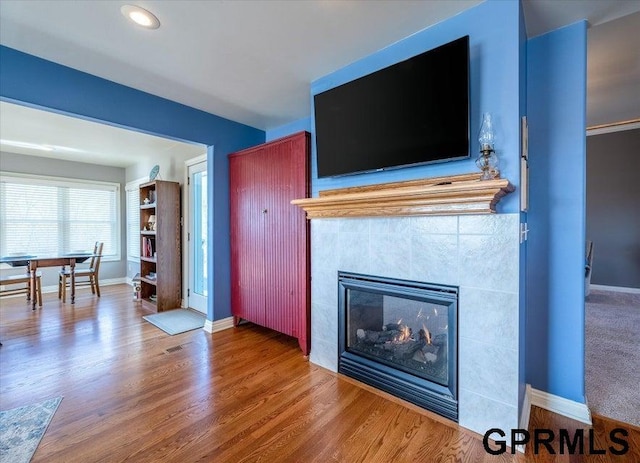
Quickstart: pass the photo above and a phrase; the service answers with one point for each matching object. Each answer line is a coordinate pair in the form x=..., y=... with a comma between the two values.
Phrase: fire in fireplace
x=401, y=337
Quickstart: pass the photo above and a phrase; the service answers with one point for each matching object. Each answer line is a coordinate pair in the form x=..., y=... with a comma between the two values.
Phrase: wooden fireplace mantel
x=451, y=195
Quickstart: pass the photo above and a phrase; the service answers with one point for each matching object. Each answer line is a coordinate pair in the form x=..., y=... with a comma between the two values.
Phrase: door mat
x=176, y=321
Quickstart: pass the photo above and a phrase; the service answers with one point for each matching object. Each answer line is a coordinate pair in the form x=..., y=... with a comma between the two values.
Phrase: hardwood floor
x=133, y=393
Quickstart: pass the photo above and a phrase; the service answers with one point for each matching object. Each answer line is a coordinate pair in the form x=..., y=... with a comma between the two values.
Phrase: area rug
x=176, y=321
x=22, y=428
x=612, y=355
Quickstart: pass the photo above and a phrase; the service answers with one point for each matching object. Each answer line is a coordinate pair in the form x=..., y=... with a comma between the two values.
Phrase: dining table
x=33, y=262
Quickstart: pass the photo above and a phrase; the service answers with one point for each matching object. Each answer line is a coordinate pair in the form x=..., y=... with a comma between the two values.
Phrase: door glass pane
x=200, y=232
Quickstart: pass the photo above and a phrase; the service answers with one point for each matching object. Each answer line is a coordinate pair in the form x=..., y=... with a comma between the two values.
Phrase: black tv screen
x=413, y=112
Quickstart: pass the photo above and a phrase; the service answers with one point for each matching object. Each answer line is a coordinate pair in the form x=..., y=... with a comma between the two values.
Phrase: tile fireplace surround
x=478, y=253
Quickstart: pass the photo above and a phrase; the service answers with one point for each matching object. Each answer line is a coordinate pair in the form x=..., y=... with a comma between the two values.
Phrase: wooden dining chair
x=88, y=276
x=588, y=267
x=21, y=283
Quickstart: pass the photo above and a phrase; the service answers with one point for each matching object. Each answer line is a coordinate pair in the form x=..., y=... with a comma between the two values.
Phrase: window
x=133, y=219
x=47, y=215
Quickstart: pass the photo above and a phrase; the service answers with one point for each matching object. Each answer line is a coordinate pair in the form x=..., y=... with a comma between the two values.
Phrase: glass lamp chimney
x=487, y=162
x=486, y=137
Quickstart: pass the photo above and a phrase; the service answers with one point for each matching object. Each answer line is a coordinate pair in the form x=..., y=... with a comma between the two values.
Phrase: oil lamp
x=487, y=162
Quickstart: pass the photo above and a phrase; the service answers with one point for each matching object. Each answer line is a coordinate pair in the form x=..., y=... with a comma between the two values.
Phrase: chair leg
x=64, y=288
x=92, y=281
x=95, y=282
x=59, y=286
x=39, y=291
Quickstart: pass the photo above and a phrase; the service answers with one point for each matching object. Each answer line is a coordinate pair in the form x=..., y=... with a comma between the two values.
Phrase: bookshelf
x=160, y=247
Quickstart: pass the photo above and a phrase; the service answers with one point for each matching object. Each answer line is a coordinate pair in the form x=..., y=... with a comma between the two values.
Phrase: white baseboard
x=525, y=415
x=218, y=325
x=561, y=406
x=526, y=408
x=616, y=289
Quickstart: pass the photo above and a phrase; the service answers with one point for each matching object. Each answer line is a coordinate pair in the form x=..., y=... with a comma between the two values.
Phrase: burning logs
x=404, y=350
x=396, y=344
x=378, y=337
x=400, y=341
x=427, y=353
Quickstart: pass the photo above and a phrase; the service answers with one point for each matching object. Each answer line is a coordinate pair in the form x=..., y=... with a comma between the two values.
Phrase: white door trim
x=186, y=264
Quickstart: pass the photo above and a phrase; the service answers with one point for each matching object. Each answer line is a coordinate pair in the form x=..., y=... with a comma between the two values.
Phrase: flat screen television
x=412, y=112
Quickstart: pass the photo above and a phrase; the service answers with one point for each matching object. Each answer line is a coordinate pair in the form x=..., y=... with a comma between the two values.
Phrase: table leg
x=33, y=267
x=72, y=266
x=28, y=284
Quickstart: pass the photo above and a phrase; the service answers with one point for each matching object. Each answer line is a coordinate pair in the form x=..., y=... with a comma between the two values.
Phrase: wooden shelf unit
x=160, y=246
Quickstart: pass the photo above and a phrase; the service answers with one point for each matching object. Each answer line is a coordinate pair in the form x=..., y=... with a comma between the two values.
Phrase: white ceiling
x=74, y=139
x=250, y=61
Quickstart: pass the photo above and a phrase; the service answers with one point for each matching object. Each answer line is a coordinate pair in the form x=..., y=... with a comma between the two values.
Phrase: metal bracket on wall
x=524, y=232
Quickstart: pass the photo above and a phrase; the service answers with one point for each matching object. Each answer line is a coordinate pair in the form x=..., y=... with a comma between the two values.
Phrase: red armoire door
x=247, y=270
x=269, y=236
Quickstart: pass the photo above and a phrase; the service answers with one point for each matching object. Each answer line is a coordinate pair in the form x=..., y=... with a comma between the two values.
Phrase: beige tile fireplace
x=475, y=251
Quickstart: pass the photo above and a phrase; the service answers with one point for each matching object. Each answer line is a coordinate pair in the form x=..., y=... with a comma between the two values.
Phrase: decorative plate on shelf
x=154, y=172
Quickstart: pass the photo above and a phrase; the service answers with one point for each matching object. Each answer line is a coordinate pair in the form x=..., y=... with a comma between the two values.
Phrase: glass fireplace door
x=403, y=333
x=401, y=337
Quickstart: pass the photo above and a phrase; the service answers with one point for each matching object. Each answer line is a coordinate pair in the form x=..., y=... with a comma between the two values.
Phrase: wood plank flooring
x=133, y=393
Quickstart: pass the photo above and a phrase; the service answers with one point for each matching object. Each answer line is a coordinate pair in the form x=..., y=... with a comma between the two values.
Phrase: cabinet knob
x=264, y=211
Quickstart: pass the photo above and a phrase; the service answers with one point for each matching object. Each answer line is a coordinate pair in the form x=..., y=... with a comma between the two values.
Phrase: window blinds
x=42, y=215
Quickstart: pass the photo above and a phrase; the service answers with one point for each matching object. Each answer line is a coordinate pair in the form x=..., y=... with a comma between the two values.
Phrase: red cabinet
x=270, y=236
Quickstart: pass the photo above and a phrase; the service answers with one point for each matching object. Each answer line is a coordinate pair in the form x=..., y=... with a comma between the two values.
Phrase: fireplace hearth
x=400, y=336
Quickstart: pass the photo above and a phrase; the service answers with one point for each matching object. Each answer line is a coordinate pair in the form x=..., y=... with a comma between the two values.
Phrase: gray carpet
x=612, y=355
x=22, y=428
x=176, y=321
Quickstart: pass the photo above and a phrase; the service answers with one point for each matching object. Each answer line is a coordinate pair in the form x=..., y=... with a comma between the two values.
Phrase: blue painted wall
x=556, y=90
x=494, y=44
x=545, y=79
x=498, y=46
x=290, y=128
x=26, y=79
x=522, y=295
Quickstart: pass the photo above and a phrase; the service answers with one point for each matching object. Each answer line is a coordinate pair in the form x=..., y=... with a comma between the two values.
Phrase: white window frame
x=78, y=183
x=133, y=188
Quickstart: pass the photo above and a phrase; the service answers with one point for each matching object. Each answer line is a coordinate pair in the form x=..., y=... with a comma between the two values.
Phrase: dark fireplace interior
x=401, y=337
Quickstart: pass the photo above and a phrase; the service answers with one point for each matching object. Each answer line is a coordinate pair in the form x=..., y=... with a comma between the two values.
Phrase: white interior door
x=197, y=237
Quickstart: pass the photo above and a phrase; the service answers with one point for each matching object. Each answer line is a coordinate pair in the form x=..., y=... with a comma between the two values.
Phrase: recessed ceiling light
x=140, y=16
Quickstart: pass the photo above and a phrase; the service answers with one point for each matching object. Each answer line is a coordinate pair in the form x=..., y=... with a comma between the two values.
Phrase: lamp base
x=487, y=162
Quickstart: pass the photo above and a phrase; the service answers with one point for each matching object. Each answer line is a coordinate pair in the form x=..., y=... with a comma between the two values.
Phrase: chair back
x=92, y=262
x=95, y=261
